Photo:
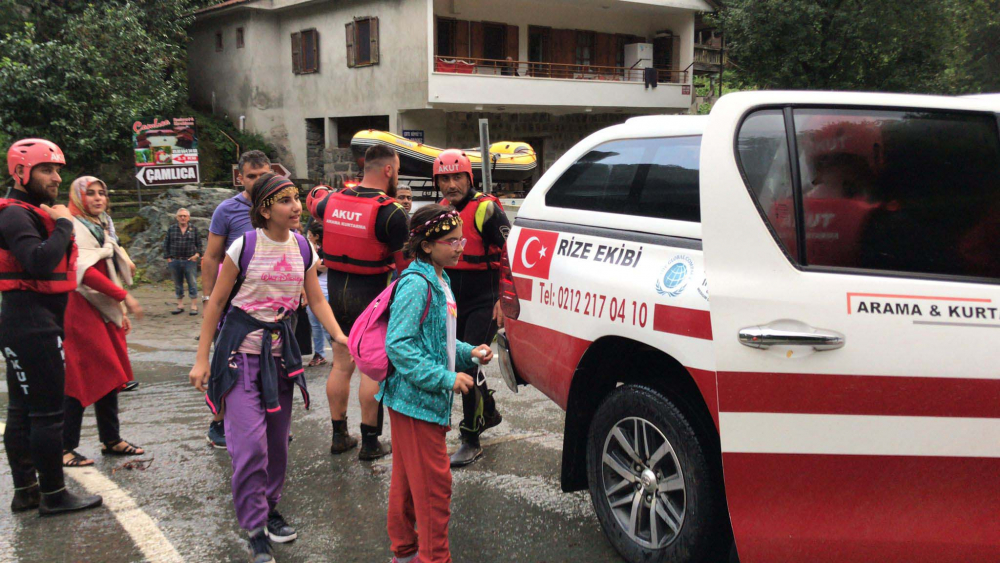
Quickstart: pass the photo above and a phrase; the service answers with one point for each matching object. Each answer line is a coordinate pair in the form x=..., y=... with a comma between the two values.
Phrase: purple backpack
x=367, y=339
x=246, y=255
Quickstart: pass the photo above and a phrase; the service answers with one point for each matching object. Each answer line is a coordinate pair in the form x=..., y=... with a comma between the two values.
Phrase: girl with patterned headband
x=425, y=353
x=257, y=362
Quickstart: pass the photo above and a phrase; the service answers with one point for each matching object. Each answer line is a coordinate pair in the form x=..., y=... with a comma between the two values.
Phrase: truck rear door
x=852, y=246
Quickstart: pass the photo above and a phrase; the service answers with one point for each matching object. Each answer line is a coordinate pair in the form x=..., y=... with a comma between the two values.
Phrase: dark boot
x=63, y=501
x=342, y=441
x=469, y=451
x=371, y=448
x=26, y=498
x=491, y=416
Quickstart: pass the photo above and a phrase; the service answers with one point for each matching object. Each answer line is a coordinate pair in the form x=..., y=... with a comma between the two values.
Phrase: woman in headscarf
x=97, y=363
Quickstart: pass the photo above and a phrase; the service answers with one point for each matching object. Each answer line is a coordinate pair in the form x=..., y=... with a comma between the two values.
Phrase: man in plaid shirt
x=182, y=247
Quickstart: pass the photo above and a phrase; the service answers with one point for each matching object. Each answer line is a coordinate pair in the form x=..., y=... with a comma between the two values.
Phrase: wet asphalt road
x=506, y=507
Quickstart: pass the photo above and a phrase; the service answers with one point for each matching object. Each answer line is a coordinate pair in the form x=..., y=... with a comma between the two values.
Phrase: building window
x=494, y=41
x=218, y=40
x=347, y=127
x=446, y=37
x=362, y=42
x=584, y=48
x=239, y=38
x=305, y=52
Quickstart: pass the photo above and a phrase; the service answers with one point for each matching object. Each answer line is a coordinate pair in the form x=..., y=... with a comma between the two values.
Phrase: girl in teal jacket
x=427, y=359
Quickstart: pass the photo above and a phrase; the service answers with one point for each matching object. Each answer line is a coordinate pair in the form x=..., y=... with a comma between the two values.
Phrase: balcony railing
x=494, y=67
x=706, y=54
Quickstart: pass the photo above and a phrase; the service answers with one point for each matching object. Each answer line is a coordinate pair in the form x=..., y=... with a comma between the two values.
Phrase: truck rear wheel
x=651, y=483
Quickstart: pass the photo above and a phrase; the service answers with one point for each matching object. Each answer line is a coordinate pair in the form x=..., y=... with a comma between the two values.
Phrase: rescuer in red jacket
x=37, y=273
x=364, y=230
x=475, y=281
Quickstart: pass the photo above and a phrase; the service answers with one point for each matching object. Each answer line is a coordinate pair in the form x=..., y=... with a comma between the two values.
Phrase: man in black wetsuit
x=475, y=281
x=37, y=272
x=364, y=230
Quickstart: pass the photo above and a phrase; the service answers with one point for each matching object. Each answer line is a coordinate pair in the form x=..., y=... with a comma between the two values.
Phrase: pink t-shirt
x=273, y=284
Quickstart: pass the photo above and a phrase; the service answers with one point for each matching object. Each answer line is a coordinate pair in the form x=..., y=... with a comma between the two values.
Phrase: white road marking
x=827, y=434
x=137, y=524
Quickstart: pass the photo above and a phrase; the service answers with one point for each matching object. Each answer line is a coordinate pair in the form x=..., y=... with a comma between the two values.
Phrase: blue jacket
x=421, y=385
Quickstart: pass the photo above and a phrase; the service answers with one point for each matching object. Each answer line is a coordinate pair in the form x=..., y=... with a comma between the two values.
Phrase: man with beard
x=364, y=230
x=37, y=273
x=475, y=281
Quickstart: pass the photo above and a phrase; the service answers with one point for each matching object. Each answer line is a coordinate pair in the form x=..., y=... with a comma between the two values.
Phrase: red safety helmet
x=31, y=152
x=316, y=195
x=452, y=161
x=835, y=134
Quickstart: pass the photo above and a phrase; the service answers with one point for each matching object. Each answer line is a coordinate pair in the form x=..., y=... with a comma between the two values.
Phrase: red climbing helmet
x=452, y=161
x=31, y=152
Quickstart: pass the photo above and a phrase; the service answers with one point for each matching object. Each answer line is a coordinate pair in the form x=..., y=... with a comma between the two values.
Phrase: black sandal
x=78, y=459
x=177, y=311
x=130, y=449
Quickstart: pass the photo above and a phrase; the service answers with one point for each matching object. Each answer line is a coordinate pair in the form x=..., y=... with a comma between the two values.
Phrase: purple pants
x=257, y=442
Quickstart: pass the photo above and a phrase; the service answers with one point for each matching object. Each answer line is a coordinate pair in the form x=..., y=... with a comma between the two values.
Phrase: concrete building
x=308, y=74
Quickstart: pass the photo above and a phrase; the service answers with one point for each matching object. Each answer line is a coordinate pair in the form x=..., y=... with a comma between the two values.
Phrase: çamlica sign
x=160, y=141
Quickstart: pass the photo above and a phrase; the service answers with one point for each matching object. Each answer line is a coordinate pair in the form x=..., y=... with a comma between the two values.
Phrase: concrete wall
x=238, y=80
x=257, y=81
x=472, y=89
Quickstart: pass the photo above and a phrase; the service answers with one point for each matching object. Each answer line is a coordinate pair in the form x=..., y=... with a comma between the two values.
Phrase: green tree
x=889, y=45
x=79, y=72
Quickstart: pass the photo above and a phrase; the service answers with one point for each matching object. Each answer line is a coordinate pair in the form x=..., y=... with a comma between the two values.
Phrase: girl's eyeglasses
x=455, y=243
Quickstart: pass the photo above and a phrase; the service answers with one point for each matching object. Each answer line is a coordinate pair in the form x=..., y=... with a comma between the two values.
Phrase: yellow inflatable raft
x=512, y=161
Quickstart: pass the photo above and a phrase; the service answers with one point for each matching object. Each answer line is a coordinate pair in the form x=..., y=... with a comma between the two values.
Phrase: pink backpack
x=367, y=339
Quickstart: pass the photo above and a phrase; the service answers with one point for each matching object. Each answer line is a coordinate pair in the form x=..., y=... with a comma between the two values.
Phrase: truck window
x=906, y=191
x=763, y=149
x=645, y=177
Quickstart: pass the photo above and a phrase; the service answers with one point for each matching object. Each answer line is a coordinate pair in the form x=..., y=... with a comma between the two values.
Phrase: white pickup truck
x=838, y=397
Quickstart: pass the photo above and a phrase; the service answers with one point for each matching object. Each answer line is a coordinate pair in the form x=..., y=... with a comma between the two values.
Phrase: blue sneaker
x=217, y=435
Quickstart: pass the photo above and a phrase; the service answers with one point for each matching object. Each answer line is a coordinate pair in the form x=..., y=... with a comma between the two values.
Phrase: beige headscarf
x=87, y=226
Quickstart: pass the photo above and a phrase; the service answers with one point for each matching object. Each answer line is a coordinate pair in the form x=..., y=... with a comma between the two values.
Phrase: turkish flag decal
x=534, y=253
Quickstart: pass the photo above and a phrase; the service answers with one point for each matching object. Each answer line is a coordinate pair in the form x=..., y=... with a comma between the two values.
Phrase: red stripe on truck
x=684, y=322
x=890, y=509
x=813, y=393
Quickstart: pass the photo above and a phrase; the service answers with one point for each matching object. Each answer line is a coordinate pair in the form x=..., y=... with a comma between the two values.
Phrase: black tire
x=701, y=530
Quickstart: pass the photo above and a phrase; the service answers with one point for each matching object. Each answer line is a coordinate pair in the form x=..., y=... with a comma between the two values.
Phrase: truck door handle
x=790, y=333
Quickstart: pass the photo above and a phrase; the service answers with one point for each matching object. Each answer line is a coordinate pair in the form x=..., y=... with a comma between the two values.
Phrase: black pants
x=106, y=411
x=35, y=380
x=476, y=295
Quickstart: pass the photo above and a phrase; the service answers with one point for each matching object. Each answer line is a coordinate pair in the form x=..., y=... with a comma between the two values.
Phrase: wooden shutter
x=350, y=45
x=512, y=42
x=476, y=39
x=315, y=46
x=297, y=53
x=604, y=49
x=374, y=39
x=564, y=46
x=462, y=38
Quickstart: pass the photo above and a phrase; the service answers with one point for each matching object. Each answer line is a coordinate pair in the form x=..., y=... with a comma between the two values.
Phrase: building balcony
x=465, y=81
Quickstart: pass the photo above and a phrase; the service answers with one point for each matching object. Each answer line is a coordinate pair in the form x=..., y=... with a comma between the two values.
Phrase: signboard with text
x=415, y=135
x=165, y=143
x=168, y=175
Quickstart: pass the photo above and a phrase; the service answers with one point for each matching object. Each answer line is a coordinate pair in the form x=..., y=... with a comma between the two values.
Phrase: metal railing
x=530, y=69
